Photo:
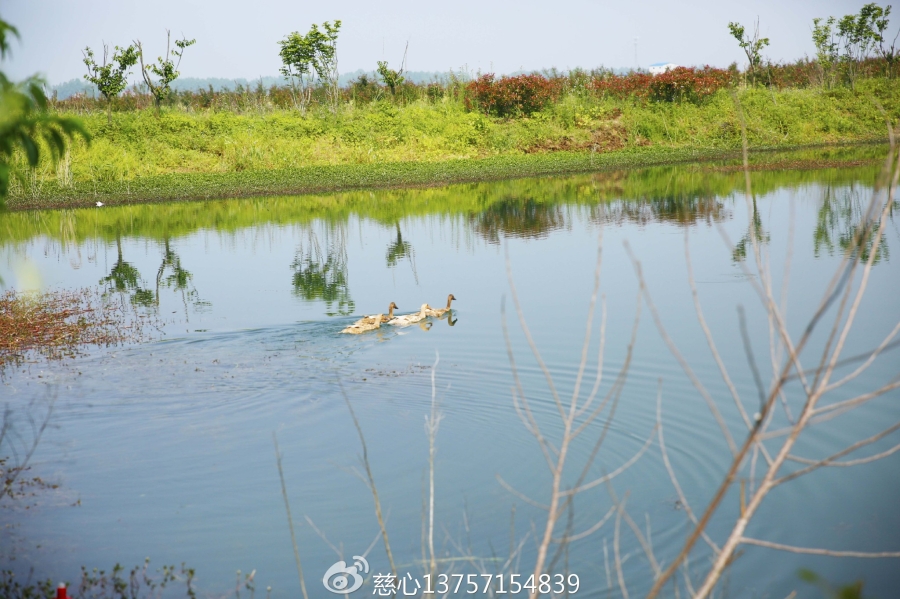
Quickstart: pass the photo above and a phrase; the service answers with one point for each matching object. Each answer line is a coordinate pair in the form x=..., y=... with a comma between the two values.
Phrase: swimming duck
x=361, y=327
x=371, y=319
x=441, y=311
x=408, y=319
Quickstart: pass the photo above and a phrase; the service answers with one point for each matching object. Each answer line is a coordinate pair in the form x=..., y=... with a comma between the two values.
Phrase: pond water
x=165, y=448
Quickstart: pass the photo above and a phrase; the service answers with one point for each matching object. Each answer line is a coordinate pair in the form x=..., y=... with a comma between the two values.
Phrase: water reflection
x=399, y=250
x=842, y=224
x=125, y=280
x=680, y=210
x=321, y=275
x=514, y=217
x=754, y=231
x=179, y=279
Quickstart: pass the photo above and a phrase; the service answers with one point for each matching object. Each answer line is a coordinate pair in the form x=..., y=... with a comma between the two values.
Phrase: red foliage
x=676, y=85
x=511, y=96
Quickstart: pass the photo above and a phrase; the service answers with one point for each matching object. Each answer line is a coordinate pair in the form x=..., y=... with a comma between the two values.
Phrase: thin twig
x=818, y=551
x=287, y=507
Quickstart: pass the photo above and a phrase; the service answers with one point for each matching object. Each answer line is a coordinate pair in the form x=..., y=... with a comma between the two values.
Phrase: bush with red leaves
x=677, y=85
x=511, y=96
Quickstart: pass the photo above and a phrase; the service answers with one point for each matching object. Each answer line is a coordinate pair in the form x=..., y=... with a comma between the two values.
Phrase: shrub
x=687, y=84
x=511, y=96
x=679, y=84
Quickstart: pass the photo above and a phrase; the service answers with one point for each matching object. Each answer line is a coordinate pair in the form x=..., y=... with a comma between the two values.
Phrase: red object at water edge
x=61, y=591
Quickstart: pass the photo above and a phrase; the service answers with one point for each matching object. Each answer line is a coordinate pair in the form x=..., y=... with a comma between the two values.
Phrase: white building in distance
x=658, y=68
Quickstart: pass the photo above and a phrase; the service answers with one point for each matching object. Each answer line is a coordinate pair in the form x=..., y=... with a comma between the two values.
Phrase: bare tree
x=577, y=414
x=798, y=397
x=767, y=449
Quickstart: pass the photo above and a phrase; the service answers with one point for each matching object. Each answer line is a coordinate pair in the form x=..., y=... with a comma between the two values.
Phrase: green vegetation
x=751, y=45
x=213, y=153
x=165, y=69
x=27, y=129
x=138, y=583
x=312, y=136
x=311, y=58
x=110, y=77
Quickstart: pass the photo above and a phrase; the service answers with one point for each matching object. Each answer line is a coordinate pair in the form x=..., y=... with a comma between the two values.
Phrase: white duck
x=371, y=319
x=361, y=327
x=441, y=311
x=408, y=319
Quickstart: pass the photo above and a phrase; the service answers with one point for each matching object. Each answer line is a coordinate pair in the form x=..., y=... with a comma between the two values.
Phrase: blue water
x=166, y=447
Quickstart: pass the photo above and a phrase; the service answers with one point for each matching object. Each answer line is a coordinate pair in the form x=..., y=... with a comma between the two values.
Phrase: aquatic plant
x=58, y=324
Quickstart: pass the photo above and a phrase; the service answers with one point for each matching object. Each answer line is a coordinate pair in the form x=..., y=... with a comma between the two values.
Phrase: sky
x=238, y=39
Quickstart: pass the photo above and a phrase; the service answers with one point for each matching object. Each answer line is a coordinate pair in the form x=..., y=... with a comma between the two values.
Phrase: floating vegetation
x=18, y=487
x=60, y=324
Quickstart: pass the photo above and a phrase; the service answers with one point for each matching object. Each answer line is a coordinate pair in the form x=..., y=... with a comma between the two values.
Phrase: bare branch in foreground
x=372, y=487
x=817, y=551
x=287, y=507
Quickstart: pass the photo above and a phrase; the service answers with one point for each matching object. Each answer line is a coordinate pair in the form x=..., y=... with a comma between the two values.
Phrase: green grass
x=207, y=154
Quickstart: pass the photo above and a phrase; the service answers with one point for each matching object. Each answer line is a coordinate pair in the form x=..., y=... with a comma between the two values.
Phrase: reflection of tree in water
x=126, y=280
x=322, y=276
x=398, y=250
x=682, y=210
x=842, y=223
x=178, y=279
x=517, y=217
x=754, y=231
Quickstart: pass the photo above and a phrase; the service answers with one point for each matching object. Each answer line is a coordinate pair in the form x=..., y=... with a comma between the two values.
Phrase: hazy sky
x=238, y=38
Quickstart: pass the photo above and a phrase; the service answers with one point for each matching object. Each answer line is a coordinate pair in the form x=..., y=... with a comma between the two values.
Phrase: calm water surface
x=166, y=447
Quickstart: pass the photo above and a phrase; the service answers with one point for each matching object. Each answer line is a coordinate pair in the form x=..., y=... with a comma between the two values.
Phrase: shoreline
x=400, y=175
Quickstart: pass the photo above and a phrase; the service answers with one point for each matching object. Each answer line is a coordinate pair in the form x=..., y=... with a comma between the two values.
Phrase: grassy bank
x=190, y=154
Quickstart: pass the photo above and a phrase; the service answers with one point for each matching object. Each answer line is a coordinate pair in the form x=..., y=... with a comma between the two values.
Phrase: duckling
x=441, y=311
x=359, y=327
x=371, y=319
x=408, y=319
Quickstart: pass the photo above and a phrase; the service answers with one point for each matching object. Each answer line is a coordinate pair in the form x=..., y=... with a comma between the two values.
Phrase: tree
x=166, y=70
x=308, y=58
x=859, y=34
x=391, y=78
x=826, y=48
x=25, y=121
x=889, y=54
x=110, y=77
x=752, y=46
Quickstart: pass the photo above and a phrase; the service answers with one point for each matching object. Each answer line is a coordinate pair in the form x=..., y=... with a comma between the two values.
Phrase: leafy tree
x=110, y=77
x=826, y=48
x=752, y=46
x=309, y=58
x=165, y=69
x=391, y=78
x=26, y=123
x=889, y=54
x=858, y=36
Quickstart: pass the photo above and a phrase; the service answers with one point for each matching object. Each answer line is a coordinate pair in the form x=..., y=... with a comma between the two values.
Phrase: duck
x=441, y=311
x=361, y=327
x=408, y=319
x=371, y=319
